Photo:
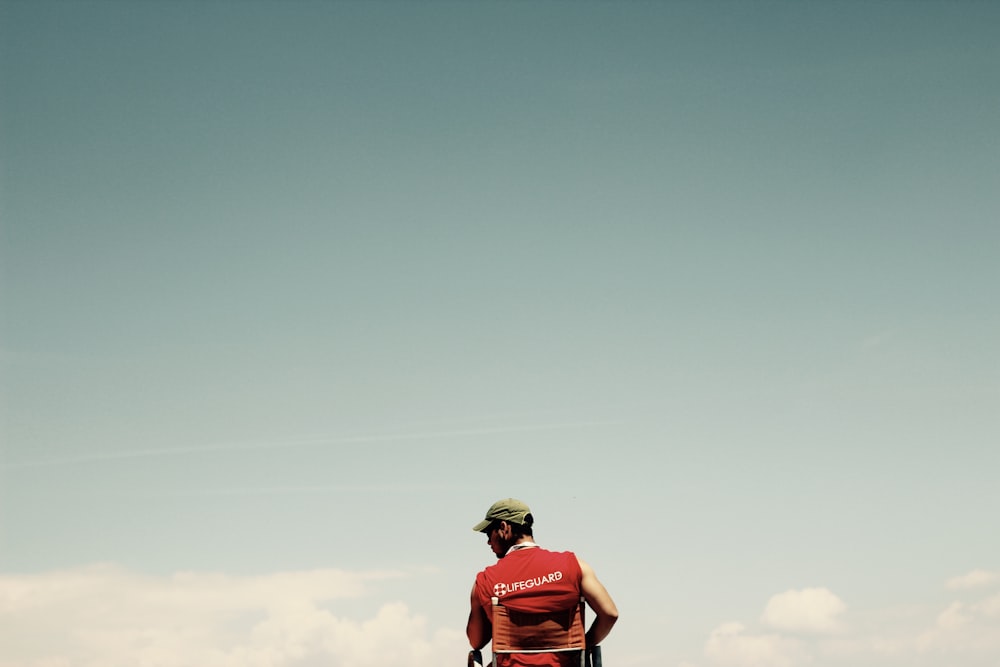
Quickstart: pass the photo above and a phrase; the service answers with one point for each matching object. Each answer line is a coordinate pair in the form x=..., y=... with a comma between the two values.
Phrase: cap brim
x=482, y=525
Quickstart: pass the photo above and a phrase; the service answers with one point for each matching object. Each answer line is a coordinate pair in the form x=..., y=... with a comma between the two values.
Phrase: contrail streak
x=288, y=444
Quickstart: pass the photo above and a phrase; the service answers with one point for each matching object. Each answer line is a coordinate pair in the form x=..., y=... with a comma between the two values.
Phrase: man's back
x=529, y=579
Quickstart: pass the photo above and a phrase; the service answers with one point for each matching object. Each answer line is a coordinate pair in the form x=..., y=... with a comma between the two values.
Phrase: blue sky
x=291, y=292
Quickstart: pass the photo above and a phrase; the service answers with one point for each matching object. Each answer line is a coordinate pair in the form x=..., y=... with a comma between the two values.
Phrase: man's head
x=507, y=522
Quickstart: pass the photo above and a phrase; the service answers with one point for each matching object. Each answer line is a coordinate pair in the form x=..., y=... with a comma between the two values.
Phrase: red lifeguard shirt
x=532, y=580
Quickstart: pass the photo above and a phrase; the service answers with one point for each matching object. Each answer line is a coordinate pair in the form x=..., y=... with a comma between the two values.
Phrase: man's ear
x=505, y=530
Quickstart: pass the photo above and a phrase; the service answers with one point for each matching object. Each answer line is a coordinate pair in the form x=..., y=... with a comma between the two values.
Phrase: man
x=529, y=578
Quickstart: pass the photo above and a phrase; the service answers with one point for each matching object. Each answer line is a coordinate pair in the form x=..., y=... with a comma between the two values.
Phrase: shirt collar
x=520, y=545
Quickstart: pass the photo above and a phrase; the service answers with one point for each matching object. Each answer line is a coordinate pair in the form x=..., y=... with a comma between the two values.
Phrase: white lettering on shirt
x=501, y=589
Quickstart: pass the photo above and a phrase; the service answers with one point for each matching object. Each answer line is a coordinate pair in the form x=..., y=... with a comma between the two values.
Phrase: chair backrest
x=548, y=632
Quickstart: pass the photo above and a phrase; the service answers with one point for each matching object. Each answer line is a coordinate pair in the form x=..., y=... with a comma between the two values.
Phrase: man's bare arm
x=598, y=598
x=479, y=629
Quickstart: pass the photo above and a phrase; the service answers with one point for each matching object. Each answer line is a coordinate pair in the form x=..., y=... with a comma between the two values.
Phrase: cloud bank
x=813, y=626
x=105, y=616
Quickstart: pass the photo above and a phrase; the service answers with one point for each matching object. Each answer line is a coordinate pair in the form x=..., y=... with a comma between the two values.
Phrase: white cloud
x=965, y=633
x=974, y=579
x=970, y=629
x=990, y=606
x=105, y=616
x=730, y=645
x=812, y=610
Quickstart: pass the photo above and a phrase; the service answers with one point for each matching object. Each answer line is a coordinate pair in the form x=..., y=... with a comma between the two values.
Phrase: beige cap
x=509, y=509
